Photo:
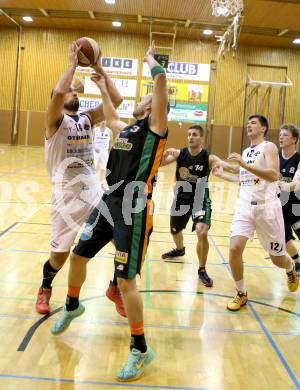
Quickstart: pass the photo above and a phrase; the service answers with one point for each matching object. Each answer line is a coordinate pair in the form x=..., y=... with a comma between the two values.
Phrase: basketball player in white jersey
x=258, y=208
x=103, y=140
x=70, y=164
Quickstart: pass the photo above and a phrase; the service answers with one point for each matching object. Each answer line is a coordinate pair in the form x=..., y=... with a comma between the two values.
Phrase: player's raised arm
x=97, y=114
x=159, y=111
x=111, y=116
x=55, y=109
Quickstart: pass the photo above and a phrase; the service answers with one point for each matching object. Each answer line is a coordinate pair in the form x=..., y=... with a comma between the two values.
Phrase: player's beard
x=73, y=105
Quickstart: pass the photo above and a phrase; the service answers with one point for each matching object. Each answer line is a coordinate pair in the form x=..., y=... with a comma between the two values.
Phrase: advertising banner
x=116, y=66
x=185, y=112
x=182, y=92
x=183, y=71
x=124, y=110
x=126, y=87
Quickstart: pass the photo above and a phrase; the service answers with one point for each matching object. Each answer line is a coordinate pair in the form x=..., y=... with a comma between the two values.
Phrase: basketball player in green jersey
x=125, y=214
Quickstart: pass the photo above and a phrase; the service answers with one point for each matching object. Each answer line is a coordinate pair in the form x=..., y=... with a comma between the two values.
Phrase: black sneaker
x=205, y=279
x=297, y=268
x=173, y=253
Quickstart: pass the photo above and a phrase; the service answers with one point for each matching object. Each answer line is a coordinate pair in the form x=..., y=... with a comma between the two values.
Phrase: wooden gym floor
x=198, y=343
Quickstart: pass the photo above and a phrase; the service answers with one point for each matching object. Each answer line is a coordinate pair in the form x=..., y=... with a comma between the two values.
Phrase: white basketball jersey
x=69, y=152
x=252, y=187
x=102, y=138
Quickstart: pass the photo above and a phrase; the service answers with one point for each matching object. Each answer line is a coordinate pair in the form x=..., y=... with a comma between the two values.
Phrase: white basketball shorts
x=69, y=210
x=266, y=219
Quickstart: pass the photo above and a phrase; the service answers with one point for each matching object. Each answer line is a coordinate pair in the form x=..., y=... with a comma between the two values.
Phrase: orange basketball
x=89, y=52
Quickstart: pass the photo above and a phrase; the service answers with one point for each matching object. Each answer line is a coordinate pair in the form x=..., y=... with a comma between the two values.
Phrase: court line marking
x=8, y=229
x=266, y=332
x=195, y=262
x=16, y=224
x=37, y=223
x=28, y=336
x=12, y=173
x=15, y=202
x=263, y=327
x=275, y=347
x=101, y=383
x=194, y=243
x=109, y=323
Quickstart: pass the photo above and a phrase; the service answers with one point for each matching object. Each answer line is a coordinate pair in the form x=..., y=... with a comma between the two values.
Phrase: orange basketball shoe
x=42, y=302
x=113, y=293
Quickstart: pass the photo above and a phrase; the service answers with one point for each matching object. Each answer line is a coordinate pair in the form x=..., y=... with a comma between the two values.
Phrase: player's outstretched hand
x=171, y=152
x=217, y=170
x=150, y=52
x=73, y=51
x=98, y=79
x=236, y=157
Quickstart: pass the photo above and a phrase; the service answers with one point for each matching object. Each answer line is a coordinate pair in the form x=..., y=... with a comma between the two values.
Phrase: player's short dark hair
x=292, y=129
x=262, y=120
x=198, y=128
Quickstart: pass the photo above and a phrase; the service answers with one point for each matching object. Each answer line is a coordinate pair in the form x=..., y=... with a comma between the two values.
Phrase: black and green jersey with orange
x=194, y=170
x=135, y=157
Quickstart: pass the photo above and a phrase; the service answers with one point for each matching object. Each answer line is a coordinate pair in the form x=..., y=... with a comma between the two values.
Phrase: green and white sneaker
x=66, y=318
x=135, y=365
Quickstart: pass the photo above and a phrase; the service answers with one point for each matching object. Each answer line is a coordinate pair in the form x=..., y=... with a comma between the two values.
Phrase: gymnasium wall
x=44, y=58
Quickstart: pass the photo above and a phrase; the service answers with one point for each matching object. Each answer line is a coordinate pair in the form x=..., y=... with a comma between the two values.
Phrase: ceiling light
x=27, y=19
x=110, y=1
x=222, y=11
x=207, y=32
x=116, y=24
x=296, y=41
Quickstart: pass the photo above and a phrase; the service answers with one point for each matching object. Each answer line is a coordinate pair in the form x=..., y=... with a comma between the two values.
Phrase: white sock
x=290, y=266
x=240, y=286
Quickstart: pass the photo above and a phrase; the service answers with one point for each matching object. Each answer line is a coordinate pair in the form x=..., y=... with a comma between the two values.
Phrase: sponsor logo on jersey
x=120, y=267
x=122, y=144
x=78, y=137
x=121, y=257
x=185, y=175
